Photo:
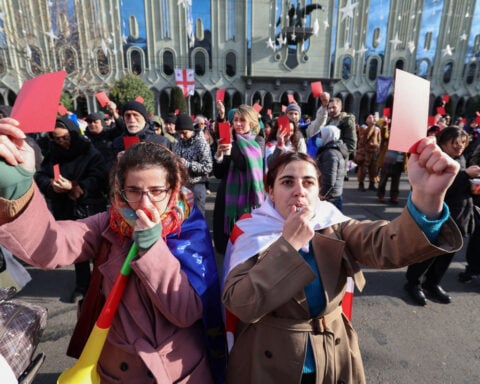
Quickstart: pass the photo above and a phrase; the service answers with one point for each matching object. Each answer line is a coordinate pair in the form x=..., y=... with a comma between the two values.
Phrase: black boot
x=361, y=186
x=415, y=292
x=371, y=187
x=436, y=292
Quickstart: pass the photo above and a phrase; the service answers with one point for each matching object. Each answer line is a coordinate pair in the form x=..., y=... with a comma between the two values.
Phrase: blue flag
x=383, y=86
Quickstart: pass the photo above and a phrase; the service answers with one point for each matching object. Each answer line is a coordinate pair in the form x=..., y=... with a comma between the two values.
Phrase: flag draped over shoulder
x=193, y=248
x=185, y=79
x=383, y=86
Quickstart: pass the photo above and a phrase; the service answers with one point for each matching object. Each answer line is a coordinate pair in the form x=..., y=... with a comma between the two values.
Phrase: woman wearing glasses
x=159, y=333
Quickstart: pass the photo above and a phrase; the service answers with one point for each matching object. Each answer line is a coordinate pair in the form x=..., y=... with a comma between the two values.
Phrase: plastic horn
x=85, y=369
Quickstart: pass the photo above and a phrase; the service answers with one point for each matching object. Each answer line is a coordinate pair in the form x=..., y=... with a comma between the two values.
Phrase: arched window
x=168, y=63
x=200, y=63
x=423, y=69
x=103, y=63
x=346, y=68
x=136, y=62
x=372, y=69
x=36, y=64
x=69, y=59
x=472, y=68
x=447, y=72
x=376, y=38
x=399, y=64
x=231, y=64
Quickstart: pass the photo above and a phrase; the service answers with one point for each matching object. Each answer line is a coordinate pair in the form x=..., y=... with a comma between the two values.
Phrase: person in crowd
x=321, y=115
x=294, y=112
x=286, y=272
x=424, y=278
x=368, y=148
x=283, y=140
x=102, y=138
x=195, y=155
x=80, y=190
x=239, y=166
x=169, y=131
x=158, y=125
x=135, y=119
x=345, y=122
x=330, y=160
x=168, y=326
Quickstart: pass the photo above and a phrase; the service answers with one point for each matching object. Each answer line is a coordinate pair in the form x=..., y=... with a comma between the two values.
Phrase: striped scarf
x=245, y=190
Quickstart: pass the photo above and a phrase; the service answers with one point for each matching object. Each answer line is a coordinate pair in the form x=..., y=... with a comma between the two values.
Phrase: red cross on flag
x=185, y=80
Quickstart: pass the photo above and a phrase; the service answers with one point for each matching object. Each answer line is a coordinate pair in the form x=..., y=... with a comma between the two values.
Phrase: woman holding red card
x=239, y=165
x=80, y=189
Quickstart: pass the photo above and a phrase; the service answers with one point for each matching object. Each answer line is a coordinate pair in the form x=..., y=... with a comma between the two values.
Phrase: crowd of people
x=136, y=181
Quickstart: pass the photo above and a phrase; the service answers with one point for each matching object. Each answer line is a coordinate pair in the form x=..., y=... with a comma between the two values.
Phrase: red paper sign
x=446, y=98
x=220, y=95
x=257, y=107
x=128, y=141
x=139, y=99
x=477, y=120
x=441, y=111
x=62, y=111
x=177, y=111
x=224, y=133
x=431, y=120
x=56, y=172
x=387, y=112
x=37, y=102
x=283, y=123
x=317, y=88
x=291, y=98
x=102, y=99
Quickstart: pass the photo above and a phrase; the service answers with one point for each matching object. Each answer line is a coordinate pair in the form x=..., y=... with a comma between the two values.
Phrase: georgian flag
x=185, y=79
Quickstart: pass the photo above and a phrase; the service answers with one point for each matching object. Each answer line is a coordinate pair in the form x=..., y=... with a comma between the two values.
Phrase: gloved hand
x=15, y=180
x=145, y=238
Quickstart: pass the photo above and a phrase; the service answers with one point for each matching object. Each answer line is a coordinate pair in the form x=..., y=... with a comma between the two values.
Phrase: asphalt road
x=400, y=342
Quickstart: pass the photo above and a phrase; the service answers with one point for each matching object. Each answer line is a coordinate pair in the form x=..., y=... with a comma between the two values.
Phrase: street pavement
x=400, y=342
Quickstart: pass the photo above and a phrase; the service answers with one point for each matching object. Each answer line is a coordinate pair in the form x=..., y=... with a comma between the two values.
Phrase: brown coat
x=267, y=294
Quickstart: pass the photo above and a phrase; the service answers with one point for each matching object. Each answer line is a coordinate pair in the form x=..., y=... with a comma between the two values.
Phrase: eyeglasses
x=134, y=195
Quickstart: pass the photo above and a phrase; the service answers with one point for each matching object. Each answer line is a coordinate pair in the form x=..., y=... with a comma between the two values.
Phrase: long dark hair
x=295, y=138
x=281, y=162
x=450, y=134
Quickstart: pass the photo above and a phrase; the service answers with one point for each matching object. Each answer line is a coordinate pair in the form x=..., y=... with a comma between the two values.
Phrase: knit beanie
x=184, y=123
x=293, y=107
x=135, y=106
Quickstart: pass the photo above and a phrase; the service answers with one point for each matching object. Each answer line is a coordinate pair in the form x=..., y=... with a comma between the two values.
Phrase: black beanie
x=135, y=106
x=184, y=123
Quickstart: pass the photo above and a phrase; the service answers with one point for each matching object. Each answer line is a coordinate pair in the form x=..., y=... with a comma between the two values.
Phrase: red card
x=139, y=99
x=477, y=120
x=128, y=141
x=37, y=102
x=56, y=172
x=177, y=111
x=317, y=88
x=220, y=95
x=387, y=112
x=284, y=108
x=224, y=133
x=257, y=107
x=269, y=112
x=283, y=123
x=102, y=99
x=62, y=111
x=441, y=111
x=291, y=99
x=446, y=98
x=431, y=120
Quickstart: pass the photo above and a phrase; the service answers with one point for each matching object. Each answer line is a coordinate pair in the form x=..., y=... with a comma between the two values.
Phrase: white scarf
x=265, y=225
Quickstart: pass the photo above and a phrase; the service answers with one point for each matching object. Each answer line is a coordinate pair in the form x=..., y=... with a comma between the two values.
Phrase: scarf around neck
x=245, y=190
x=256, y=232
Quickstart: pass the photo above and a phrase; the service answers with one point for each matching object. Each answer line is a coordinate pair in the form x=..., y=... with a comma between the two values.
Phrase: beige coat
x=267, y=294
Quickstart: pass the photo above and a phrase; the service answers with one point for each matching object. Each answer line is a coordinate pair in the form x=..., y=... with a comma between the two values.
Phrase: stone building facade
x=259, y=51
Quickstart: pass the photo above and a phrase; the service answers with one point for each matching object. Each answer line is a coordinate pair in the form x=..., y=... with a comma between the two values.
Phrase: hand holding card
x=224, y=133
